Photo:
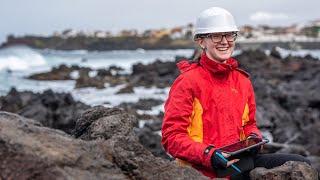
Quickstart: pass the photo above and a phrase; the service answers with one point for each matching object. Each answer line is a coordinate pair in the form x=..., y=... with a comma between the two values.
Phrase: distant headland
x=296, y=36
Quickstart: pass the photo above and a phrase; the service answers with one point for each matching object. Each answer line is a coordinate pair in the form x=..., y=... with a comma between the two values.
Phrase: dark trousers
x=272, y=160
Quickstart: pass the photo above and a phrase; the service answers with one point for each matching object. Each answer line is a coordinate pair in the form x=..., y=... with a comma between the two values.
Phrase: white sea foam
x=110, y=98
x=74, y=74
x=20, y=58
x=154, y=110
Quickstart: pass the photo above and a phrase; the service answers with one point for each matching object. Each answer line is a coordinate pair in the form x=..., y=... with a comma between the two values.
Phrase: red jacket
x=210, y=103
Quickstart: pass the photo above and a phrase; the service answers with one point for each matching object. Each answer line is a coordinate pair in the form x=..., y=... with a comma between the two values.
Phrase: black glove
x=216, y=161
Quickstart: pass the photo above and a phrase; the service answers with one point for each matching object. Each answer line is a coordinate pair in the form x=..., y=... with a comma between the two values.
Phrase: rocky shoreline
x=135, y=42
x=288, y=108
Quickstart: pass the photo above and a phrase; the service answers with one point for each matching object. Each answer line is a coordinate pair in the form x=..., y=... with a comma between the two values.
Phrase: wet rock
x=57, y=73
x=14, y=100
x=275, y=53
x=310, y=57
x=115, y=70
x=154, y=125
x=126, y=90
x=142, y=104
x=158, y=73
x=103, y=72
x=140, y=108
x=289, y=170
x=60, y=73
x=55, y=110
x=117, y=80
x=85, y=80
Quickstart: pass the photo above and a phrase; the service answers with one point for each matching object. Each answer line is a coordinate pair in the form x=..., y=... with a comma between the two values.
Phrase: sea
x=18, y=62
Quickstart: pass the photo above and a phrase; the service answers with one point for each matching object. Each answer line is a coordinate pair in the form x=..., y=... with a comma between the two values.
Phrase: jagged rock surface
x=289, y=170
x=106, y=148
x=55, y=110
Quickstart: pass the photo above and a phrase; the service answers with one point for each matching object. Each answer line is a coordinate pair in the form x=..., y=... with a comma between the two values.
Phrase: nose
x=224, y=40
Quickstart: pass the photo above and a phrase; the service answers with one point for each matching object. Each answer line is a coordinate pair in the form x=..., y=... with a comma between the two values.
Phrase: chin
x=223, y=58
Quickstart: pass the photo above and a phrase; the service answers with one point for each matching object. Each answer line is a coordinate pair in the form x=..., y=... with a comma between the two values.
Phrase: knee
x=296, y=157
x=306, y=160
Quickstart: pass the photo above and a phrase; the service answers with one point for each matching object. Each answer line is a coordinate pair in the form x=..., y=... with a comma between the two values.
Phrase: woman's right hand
x=221, y=162
x=226, y=155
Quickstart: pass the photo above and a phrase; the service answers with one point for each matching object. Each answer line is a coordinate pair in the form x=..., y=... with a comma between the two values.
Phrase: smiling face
x=218, y=51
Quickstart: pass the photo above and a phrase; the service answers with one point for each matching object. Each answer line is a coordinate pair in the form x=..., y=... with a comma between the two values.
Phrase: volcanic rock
x=62, y=72
x=158, y=73
x=55, y=110
x=108, y=150
x=289, y=170
x=85, y=80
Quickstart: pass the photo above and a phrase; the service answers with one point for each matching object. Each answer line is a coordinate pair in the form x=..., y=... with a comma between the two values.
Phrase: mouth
x=222, y=49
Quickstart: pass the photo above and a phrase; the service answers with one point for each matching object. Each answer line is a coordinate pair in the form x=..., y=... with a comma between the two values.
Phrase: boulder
x=106, y=148
x=14, y=100
x=116, y=128
x=55, y=110
x=289, y=170
x=30, y=151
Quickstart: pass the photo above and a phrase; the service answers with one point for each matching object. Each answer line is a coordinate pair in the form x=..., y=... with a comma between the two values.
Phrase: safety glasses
x=217, y=37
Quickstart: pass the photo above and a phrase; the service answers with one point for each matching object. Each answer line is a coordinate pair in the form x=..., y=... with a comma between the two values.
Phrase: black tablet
x=242, y=146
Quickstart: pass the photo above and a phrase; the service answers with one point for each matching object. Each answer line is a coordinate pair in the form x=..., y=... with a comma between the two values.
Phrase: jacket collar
x=216, y=67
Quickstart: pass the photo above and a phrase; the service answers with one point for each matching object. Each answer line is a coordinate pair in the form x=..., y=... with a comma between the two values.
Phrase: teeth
x=222, y=49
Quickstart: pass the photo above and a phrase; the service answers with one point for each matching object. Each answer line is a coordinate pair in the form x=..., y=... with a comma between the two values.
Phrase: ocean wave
x=20, y=58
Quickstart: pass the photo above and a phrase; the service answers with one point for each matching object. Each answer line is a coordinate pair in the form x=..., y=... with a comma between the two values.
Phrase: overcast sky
x=20, y=17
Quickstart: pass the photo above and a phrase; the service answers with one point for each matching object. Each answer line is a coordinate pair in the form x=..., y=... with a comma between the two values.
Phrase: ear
x=201, y=43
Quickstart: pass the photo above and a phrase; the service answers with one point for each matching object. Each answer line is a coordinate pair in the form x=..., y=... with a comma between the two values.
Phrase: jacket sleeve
x=175, y=138
x=251, y=126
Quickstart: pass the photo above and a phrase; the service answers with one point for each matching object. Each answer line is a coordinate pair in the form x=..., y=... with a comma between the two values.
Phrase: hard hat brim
x=215, y=30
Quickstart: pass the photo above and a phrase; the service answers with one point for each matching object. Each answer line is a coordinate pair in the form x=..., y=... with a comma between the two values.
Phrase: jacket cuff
x=207, y=153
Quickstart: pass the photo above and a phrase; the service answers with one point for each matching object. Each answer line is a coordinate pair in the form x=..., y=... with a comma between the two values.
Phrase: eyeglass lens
x=228, y=36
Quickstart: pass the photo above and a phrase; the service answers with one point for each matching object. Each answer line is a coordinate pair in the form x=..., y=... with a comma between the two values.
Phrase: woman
x=212, y=104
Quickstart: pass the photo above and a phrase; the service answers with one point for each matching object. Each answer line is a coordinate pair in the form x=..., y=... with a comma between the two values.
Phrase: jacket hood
x=185, y=65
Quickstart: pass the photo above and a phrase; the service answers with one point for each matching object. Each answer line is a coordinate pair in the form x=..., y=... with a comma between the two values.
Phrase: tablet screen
x=240, y=145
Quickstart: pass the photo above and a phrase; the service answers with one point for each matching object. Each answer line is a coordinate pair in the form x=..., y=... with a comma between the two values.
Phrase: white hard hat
x=215, y=19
